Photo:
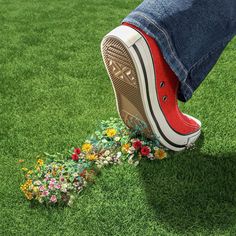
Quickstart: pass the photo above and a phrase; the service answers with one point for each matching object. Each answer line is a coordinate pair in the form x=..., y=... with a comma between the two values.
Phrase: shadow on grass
x=192, y=191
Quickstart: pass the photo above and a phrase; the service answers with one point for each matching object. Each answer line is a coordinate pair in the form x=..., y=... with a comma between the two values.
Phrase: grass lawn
x=54, y=91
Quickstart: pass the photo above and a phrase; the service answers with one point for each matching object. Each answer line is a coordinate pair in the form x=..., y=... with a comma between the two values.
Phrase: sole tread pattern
x=122, y=72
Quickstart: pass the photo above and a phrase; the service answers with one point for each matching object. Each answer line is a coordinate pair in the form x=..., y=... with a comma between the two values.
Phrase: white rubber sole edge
x=131, y=39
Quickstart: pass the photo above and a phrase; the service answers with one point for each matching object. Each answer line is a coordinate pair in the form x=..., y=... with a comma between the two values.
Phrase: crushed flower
x=60, y=178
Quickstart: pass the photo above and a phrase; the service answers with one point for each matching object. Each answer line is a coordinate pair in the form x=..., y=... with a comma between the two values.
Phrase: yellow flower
x=40, y=162
x=29, y=181
x=30, y=172
x=139, y=156
x=60, y=167
x=29, y=195
x=86, y=147
x=125, y=147
x=91, y=157
x=35, y=189
x=23, y=187
x=160, y=154
x=111, y=132
x=24, y=169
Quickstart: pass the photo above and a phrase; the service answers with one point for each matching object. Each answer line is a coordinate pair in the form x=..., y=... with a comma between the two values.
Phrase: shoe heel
x=122, y=72
x=126, y=34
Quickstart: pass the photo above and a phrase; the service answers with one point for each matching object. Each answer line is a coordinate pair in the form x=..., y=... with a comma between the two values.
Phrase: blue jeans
x=190, y=33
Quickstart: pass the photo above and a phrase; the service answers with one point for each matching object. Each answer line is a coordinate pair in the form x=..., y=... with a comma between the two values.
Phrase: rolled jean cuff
x=162, y=38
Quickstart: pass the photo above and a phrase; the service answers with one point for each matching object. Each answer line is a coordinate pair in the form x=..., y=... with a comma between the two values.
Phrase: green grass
x=54, y=91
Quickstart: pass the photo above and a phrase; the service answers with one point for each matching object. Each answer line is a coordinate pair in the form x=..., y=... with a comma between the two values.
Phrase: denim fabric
x=190, y=33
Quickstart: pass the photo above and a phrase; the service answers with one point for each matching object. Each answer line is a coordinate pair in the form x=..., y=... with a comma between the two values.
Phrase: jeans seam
x=167, y=38
x=205, y=56
x=189, y=87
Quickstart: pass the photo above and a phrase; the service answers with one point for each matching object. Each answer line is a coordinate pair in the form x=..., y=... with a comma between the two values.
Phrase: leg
x=190, y=33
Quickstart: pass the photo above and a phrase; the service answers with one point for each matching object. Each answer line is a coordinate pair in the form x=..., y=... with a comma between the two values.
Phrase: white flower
x=37, y=182
x=118, y=154
x=108, y=158
x=131, y=150
x=105, y=162
x=131, y=156
x=40, y=200
x=104, y=140
x=130, y=161
x=64, y=188
x=150, y=155
x=71, y=200
x=120, y=162
x=102, y=158
x=117, y=139
x=136, y=163
x=106, y=153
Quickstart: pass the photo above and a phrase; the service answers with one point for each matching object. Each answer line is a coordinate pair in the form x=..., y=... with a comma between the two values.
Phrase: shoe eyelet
x=162, y=84
x=164, y=98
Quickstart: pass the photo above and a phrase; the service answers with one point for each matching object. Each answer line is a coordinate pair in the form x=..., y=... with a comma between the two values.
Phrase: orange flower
x=29, y=195
x=125, y=147
x=160, y=154
x=91, y=157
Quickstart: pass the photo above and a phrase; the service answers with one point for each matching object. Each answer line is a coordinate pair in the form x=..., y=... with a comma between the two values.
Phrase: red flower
x=83, y=173
x=77, y=151
x=137, y=144
x=145, y=150
x=75, y=157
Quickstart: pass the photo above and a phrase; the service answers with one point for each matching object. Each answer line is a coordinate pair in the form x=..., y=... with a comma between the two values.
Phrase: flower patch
x=59, y=178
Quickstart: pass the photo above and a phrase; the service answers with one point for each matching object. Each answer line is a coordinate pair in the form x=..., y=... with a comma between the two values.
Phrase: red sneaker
x=146, y=88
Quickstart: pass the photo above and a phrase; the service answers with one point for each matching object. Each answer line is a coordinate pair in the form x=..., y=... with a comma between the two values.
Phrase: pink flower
x=58, y=186
x=145, y=150
x=41, y=188
x=137, y=144
x=53, y=198
x=62, y=179
x=75, y=157
x=53, y=180
x=51, y=185
x=45, y=193
x=77, y=151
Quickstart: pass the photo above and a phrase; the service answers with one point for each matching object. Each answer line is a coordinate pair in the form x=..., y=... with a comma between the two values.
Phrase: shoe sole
x=123, y=74
x=121, y=50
